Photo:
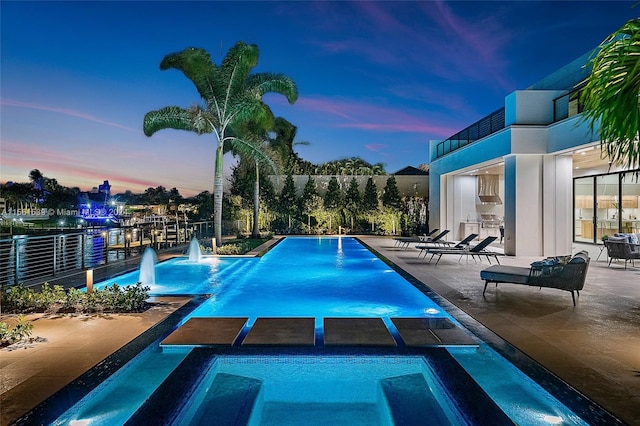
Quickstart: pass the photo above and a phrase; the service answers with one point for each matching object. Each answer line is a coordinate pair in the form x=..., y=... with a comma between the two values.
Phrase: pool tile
x=207, y=331
x=282, y=331
x=356, y=332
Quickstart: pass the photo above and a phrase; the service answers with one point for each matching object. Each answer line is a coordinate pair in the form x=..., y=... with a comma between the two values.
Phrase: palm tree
x=611, y=95
x=231, y=95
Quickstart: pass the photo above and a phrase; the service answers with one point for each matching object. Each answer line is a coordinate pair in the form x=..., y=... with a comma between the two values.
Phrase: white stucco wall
x=523, y=205
x=557, y=204
x=530, y=107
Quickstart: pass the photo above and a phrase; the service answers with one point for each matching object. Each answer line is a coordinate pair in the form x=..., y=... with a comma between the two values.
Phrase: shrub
x=20, y=331
x=51, y=299
x=230, y=249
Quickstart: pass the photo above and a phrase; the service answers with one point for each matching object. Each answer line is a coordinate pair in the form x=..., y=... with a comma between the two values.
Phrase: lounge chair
x=550, y=273
x=404, y=242
x=477, y=250
x=438, y=240
x=459, y=246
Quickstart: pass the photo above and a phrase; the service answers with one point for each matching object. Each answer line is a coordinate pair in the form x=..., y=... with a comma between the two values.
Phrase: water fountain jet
x=195, y=254
x=148, y=267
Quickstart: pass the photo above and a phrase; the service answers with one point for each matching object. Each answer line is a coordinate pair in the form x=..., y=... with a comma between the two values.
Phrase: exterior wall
x=442, y=171
x=530, y=107
x=538, y=174
x=538, y=168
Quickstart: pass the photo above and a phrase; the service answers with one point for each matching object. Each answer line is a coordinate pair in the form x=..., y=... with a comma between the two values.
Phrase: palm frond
x=197, y=66
x=263, y=83
x=611, y=95
x=236, y=67
x=254, y=150
x=172, y=117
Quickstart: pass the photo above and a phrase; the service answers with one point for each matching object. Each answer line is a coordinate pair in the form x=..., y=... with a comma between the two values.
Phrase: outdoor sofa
x=564, y=273
x=623, y=247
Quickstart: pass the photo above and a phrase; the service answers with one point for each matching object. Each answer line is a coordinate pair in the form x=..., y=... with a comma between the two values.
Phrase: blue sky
x=376, y=79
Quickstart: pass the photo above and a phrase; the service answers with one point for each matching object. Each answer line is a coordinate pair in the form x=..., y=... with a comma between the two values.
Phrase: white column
x=557, y=205
x=523, y=205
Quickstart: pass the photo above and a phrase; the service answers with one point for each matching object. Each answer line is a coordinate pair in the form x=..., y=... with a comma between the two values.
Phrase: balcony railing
x=478, y=130
x=567, y=105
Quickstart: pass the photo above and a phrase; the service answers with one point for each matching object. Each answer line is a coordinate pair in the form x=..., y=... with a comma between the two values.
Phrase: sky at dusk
x=376, y=79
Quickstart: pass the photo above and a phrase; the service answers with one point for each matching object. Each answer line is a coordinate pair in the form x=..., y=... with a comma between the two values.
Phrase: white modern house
x=535, y=168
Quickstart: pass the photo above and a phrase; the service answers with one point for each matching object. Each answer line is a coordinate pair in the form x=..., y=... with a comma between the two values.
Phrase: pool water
x=310, y=277
x=300, y=390
x=318, y=277
x=180, y=276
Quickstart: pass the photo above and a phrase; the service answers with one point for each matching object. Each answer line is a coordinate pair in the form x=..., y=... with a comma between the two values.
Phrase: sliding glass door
x=605, y=205
x=584, y=212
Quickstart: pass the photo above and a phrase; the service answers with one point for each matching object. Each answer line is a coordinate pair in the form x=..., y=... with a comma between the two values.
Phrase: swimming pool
x=314, y=277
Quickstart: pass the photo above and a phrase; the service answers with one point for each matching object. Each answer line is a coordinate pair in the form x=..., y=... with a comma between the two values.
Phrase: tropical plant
x=231, y=96
x=611, y=95
x=21, y=330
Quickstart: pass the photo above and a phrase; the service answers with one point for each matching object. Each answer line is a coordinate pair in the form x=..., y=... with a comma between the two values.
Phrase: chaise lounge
x=477, y=250
x=549, y=273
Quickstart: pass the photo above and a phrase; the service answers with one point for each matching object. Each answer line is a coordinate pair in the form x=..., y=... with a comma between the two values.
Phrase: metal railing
x=568, y=105
x=26, y=258
x=478, y=130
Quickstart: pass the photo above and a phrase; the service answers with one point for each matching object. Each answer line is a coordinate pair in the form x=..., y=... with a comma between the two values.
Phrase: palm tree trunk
x=256, y=206
x=217, y=195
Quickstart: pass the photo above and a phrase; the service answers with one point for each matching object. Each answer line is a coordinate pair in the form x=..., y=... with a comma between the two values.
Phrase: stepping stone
x=455, y=337
x=207, y=331
x=282, y=331
x=356, y=332
x=432, y=332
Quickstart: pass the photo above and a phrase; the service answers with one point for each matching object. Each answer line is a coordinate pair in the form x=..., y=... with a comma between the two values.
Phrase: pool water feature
x=320, y=277
x=181, y=276
x=147, y=275
x=195, y=254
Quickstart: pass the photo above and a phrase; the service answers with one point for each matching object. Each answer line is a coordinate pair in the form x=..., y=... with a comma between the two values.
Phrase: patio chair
x=620, y=248
x=463, y=244
x=404, y=242
x=437, y=240
x=477, y=250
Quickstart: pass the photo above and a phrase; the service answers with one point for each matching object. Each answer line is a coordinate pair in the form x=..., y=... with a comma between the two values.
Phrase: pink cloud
x=375, y=147
x=65, y=111
x=482, y=41
x=360, y=115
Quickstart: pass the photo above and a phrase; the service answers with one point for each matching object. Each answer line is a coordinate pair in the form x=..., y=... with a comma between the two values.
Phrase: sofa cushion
x=633, y=239
x=503, y=273
x=619, y=238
